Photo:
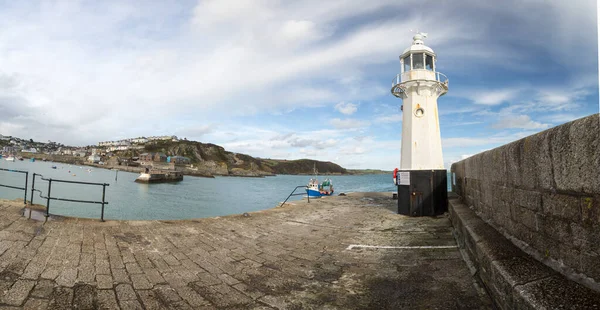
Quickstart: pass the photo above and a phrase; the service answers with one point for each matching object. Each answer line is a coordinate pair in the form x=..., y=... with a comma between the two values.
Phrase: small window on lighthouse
x=407, y=63
x=429, y=62
x=418, y=61
x=419, y=112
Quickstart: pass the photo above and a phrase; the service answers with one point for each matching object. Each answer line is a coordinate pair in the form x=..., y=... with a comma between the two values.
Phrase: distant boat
x=20, y=158
x=32, y=160
x=53, y=167
x=315, y=190
x=10, y=158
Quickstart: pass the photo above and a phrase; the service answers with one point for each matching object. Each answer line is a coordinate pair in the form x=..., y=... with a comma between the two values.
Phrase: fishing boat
x=10, y=158
x=314, y=189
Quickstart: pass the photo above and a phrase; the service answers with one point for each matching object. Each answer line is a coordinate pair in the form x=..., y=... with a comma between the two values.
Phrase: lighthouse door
x=424, y=194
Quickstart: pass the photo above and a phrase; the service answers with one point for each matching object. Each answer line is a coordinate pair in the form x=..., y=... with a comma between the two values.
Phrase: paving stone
x=18, y=292
x=143, y=261
x=133, y=268
x=86, y=274
x=154, y=276
x=67, y=277
x=127, y=257
x=84, y=297
x=207, y=279
x=104, y=281
x=171, y=260
x=130, y=304
x=107, y=299
x=174, y=280
x=35, y=304
x=252, y=293
x=34, y=270
x=116, y=262
x=166, y=293
x=120, y=276
x=140, y=282
x=102, y=267
x=150, y=300
x=43, y=289
x=228, y=279
x=50, y=273
x=125, y=292
x=192, y=298
x=62, y=298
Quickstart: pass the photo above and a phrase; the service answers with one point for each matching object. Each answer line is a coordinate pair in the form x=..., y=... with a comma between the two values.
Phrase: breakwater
x=543, y=193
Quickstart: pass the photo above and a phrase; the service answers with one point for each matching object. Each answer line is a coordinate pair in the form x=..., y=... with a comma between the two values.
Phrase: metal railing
x=297, y=194
x=440, y=77
x=24, y=189
x=49, y=197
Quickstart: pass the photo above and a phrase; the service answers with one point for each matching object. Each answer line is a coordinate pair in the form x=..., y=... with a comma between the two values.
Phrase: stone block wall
x=543, y=192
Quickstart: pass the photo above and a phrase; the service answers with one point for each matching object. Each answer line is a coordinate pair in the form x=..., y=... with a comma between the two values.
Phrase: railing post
x=32, y=188
x=25, y=197
x=48, y=201
x=103, y=195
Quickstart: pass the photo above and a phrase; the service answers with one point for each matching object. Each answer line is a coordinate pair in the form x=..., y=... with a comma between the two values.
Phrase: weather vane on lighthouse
x=421, y=179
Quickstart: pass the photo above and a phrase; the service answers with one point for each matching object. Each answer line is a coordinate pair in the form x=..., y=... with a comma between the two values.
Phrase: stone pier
x=343, y=252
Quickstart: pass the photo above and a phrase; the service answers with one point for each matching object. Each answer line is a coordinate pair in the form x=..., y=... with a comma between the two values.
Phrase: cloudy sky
x=292, y=79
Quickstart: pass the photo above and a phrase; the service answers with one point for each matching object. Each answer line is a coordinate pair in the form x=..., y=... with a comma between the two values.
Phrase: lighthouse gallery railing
x=440, y=77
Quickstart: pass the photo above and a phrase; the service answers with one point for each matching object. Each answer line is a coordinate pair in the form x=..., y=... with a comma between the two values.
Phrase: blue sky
x=283, y=79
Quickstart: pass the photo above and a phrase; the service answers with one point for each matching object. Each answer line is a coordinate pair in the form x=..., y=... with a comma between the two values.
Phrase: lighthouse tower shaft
x=421, y=138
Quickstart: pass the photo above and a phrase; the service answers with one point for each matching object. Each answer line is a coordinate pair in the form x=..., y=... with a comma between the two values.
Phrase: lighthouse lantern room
x=421, y=179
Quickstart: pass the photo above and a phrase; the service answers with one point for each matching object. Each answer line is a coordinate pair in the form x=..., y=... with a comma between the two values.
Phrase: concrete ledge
x=513, y=279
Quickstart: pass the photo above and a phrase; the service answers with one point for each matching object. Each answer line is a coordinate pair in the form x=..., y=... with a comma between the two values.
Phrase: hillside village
x=166, y=153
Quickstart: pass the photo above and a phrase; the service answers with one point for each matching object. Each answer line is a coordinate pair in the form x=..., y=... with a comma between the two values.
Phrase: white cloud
x=348, y=123
x=346, y=108
x=385, y=119
x=520, y=122
x=490, y=96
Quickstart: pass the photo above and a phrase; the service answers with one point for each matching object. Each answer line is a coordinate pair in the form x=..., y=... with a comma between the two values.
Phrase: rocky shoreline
x=235, y=172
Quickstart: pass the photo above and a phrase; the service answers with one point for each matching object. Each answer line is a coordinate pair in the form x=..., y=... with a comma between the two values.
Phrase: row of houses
x=149, y=159
x=139, y=140
x=161, y=157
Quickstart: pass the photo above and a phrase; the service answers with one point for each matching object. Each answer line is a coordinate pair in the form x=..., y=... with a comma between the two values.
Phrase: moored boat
x=314, y=189
x=10, y=158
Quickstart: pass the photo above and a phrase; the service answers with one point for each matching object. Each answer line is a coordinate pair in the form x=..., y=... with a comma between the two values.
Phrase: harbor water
x=194, y=197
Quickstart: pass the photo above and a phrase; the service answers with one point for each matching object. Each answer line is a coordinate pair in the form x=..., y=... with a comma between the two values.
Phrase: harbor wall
x=543, y=193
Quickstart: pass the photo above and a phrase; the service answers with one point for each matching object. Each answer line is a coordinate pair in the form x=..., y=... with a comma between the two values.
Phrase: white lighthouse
x=422, y=172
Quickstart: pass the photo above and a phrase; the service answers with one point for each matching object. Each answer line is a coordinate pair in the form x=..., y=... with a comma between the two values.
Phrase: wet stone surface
x=295, y=257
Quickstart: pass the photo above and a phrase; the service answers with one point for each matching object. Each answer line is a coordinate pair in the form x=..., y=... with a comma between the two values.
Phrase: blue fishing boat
x=314, y=189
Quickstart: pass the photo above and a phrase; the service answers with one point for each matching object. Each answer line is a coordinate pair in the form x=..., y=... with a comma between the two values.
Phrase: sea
x=194, y=197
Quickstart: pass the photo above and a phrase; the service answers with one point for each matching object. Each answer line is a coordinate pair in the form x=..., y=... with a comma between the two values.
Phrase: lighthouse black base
x=422, y=192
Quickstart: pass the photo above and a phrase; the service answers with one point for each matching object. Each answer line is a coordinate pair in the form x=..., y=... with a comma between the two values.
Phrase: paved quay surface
x=295, y=257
